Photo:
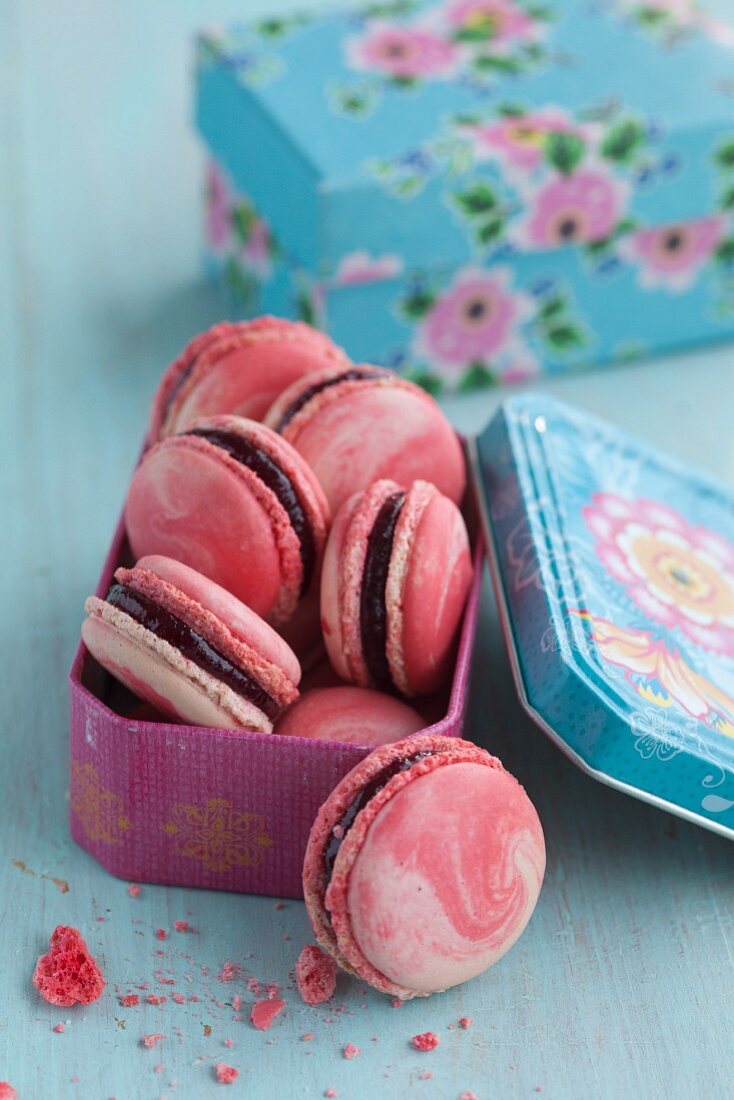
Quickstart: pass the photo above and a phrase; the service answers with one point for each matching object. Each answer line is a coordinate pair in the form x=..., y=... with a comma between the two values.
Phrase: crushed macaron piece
x=263, y=1013
x=67, y=974
x=129, y=1000
x=226, y=1075
x=465, y=1022
x=350, y=1051
x=315, y=975
x=151, y=1040
x=428, y=1040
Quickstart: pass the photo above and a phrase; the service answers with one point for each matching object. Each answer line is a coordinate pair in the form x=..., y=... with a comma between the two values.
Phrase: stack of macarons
x=289, y=503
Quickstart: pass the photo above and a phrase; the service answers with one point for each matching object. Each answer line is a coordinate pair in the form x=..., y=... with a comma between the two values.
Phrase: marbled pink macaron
x=190, y=649
x=364, y=423
x=396, y=575
x=423, y=866
x=234, y=501
x=238, y=368
x=352, y=715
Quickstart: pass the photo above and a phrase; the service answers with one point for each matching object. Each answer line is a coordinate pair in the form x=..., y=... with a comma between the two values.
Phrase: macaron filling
x=274, y=477
x=373, y=602
x=358, y=803
x=190, y=644
x=354, y=374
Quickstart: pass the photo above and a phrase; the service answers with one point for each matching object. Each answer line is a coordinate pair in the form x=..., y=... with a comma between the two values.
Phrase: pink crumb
x=280, y=905
x=59, y=1029
x=538, y=1088
x=101, y=920
x=425, y=1076
x=236, y=1003
x=179, y=998
x=307, y=1037
x=330, y=1094
x=468, y=1095
x=228, y=1043
x=315, y=975
x=67, y=974
x=465, y=1022
x=160, y=933
x=182, y=926
x=159, y=1068
x=226, y=1075
x=7, y=1092
x=428, y=1040
x=397, y=1003
x=229, y=972
x=264, y=1013
x=254, y=986
x=150, y=1041
x=350, y=1051
x=153, y=1000
x=130, y=1000
x=272, y=989
x=134, y=890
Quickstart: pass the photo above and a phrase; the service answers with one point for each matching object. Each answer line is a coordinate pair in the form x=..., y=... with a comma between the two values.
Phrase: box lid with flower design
x=614, y=569
x=436, y=130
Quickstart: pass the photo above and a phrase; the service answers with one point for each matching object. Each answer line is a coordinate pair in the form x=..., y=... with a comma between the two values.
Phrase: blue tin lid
x=614, y=570
x=442, y=129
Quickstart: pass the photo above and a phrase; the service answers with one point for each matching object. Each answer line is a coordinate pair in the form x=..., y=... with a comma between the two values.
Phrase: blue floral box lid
x=614, y=570
x=443, y=130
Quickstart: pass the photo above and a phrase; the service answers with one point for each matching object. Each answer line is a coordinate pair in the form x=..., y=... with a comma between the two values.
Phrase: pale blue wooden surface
x=623, y=985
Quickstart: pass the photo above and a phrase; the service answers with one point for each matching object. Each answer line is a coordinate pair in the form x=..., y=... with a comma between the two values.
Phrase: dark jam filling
x=191, y=644
x=355, y=374
x=372, y=604
x=277, y=481
x=367, y=793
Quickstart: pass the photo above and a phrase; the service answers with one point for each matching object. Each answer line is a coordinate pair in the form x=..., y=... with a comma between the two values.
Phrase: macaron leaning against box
x=189, y=648
x=238, y=368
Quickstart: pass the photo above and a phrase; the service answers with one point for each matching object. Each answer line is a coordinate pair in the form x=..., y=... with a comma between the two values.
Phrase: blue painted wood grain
x=623, y=985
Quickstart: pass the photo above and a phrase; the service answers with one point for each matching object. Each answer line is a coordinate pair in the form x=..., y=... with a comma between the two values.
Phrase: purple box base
x=220, y=809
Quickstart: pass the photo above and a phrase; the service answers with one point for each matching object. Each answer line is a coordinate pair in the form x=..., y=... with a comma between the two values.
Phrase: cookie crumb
x=228, y=1043
x=330, y=1094
x=263, y=1013
x=134, y=890
x=230, y=972
x=160, y=933
x=59, y=1029
x=236, y=1003
x=179, y=998
x=396, y=1003
x=468, y=1095
x=67, y=974
x=150, y=1041
x=130, y=1000
x=350, y=1051
x=153, y=1000
x=307, y=1037
x=465, y=1022
x=315, y=975
x=428, y=1040
x=425, y=1076
x=225, y=1075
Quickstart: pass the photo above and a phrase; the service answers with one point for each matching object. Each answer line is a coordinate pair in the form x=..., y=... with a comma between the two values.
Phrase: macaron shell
x=351, y=715
x=156, y=672
x=331, y=616
x=246, y=369
x=446, y=879
x=179, y=367
x=188, y=501
x=423, y=622
x=355, y=433
x=241, y=620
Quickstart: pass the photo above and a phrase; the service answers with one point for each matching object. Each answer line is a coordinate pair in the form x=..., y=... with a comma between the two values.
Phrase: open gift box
x=472, y=191
x=614, y=571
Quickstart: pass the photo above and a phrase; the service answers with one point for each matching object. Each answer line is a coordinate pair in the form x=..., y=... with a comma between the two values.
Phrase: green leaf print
x=726, y=199
x=478, y=376
x=724, y=155
x=564, y=151
x=429, y=382
x=418, y=303
x=565, y=336
x=478, y=200
x=623, y=141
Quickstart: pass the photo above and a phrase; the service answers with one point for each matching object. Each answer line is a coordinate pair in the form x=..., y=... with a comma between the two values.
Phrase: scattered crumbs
x=315, y=975
x=272, y=989
x=397, y=1003
x=159, y=1068
x=280, y=905
x=225, y=1075
x=236, y=1003
x=101, y=920
x=179, y=998
x=428, y=1040
x=153, y=1000
x=207, y=1030
x=350, y=1051
x=307, y=1037
x=254, y=987
x=160, y=933
x=160, y=977
x=134, y=890
x=425, y=1076
x=264, y=1013
x=22, y=866
x=468, y=1095
x=229, y=972
x=182, y=926
x=465, y=1022
x=193, y=997
x=150, y=1041
x=228, y=1043
x=330, y=1094
x=59, y=1029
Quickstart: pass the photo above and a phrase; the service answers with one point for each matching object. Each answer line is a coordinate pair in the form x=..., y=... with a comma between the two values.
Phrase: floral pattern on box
x=673, y=22
x=237, y=238
x=250, y=49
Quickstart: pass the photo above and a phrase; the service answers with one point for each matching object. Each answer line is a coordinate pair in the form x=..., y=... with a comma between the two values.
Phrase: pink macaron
x=352, y=715
x=396, y=576
x=234, y=501
x=189, y=648
x=363, y=423
x=423, y=866
x=238, y=368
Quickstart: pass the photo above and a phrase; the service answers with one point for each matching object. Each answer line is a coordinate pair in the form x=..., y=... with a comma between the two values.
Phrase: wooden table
x=622, y=986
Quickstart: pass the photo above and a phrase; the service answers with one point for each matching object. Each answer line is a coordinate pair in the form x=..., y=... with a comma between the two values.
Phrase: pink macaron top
x=350, y=715
x=397, y=572
x=363, y=423
x=238, y=368
x=234, y=501
x=423, y=866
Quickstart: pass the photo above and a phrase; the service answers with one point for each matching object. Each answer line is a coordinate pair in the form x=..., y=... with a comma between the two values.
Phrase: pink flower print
x=673, y=256
x=584, y=206
x=357, y=268
x=404, y=53
x=257, y=250
x=679, y=575
x=497, y=21
x=518, y=141
x=217, y=209
x=472, y=322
